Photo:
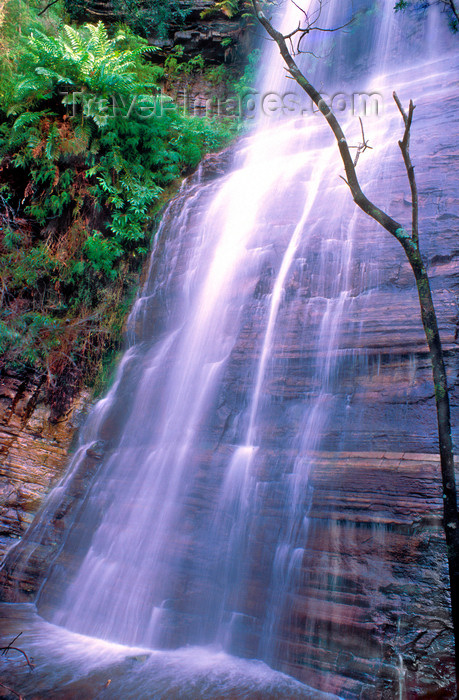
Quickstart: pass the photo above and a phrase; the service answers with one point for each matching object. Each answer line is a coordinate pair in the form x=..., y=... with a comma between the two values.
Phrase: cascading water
x=195, y=528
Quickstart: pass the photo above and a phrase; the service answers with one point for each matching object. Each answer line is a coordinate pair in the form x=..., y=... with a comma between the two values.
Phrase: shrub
x=88, y=149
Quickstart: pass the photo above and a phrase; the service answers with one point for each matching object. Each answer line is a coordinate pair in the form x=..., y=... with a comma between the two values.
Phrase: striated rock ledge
x=202, y=31
x=371, y=615
x=34, y=451
x=374, y=575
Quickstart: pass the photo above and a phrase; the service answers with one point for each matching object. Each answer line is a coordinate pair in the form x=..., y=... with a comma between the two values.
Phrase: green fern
x=87, y=184
x=85, y=58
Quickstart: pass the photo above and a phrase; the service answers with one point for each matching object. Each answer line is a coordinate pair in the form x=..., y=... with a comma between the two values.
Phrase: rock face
x=206, y=31
x=372, y=612
x=34, y=452
x=369, y=617
x=212, y=34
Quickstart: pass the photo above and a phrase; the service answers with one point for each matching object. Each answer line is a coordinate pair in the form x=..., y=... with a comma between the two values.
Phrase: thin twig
x=301, y=10
x=310, y=27
x=21, y=651
x=10, y=690
x=362, y=147
x=12, y=642
x=4, y=651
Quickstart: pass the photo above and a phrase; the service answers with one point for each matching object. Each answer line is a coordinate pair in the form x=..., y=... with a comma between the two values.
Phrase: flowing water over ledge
x=370, y=615
x=189, y=519
x=69, y=665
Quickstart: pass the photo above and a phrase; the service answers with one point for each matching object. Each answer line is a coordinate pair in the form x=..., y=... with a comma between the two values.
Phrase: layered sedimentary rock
x=34, y=451
x=205, y=29
x=370, y=617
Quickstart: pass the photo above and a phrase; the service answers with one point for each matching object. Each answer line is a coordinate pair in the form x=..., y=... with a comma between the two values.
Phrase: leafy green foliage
x=246, y=82
x=83, y=59
x=89, y=148
x=217, y=74
x=146, y=18
x=174, y=65
x=230, y=8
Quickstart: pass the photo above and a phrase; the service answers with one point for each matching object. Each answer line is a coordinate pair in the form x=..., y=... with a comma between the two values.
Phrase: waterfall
x=242, y=347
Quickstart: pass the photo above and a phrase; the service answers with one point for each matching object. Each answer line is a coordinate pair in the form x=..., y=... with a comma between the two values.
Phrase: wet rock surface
x=375, y=575
x=202, y=31
x=33, y=451
x=371, y=613
x=370, y=618
x=67, y=666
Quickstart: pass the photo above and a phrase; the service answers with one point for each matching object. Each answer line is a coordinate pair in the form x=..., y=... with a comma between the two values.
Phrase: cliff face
x=371, y=616
x=216, y=36
x=204, y=30
x=33, y=451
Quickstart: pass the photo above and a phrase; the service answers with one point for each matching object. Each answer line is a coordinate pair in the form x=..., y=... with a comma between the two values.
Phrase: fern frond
x=54, y=75
x=28, y=87
x=27, y=119
x=99, y=41
x=77, y=40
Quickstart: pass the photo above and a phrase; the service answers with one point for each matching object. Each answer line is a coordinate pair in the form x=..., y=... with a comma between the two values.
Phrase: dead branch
x=47, y=7
x=4, y=651
x=10, y=690
x=394, y=227
x=362, y=147
x=405, y=149
x=309, y=27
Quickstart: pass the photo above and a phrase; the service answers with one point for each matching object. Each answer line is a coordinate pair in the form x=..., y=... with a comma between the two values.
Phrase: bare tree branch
x=310, y=27
x=405, y=149
x=47, y=7
x=362, y=147
x=4, y=651
x=410, y=244
x=394, y=227
x=10, y=690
